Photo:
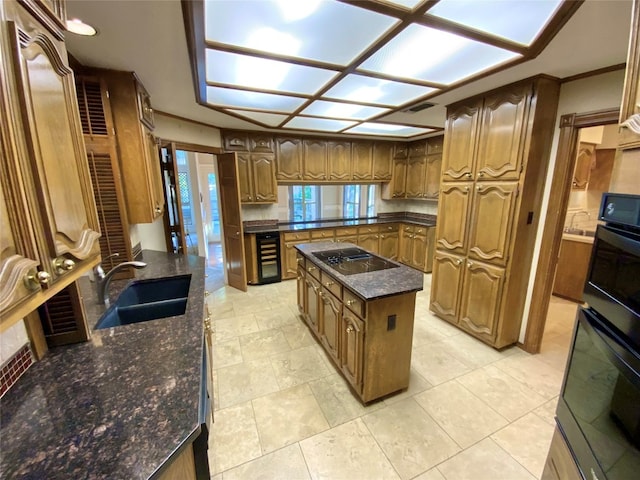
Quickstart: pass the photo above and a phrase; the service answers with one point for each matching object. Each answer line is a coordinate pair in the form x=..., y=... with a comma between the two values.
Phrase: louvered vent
x=113, y=237
x=91, y=108
x=58, y=315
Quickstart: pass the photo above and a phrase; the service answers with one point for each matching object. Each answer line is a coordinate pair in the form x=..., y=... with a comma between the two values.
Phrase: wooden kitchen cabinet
x=351, y=347
x=313, y=289
x=339, y=161
x=382, y=161
x=572, y=268
x=331, y=308
x=585, y=161
x=433, y=168
x=560, y=464
x=490, y=195
x=389, y=241
x=361, y=160
x=257, y=179
x=49, y=223
x=288, y=159
x=398, y=181
x=416, y=247
x=288, y=241
x=137, y=147
x=414, y=184
x=315, y=160
x=369, y=238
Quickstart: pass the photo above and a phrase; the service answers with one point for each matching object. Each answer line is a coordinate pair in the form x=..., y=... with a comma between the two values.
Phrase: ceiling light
x=77, y=26
x=369, y=128
x=293, y=10
x=271, y=40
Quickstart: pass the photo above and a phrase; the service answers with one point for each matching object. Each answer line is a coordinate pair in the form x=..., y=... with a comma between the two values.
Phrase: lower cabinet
x=330, y=321
x=416, y=247
x=560, y=464
x=351, y=347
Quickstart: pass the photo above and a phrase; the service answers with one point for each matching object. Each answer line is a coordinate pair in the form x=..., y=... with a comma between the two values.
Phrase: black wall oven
x=599, y=405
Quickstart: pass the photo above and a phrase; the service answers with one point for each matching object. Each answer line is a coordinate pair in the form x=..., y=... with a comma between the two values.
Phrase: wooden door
x=56, y=152
x=492, y=221
x=263, y=177
x=416, y=167
x=231, y=221
x=480, y=301
x=289, y=159
x=362, y=160
x=399, y=178
x=352, y=348
x=382, y=160
x=453, y=208
x=460, y=142
x=244, y=177
x=315, y=160
x=446, y=284
x=331, y=309
x=432, y=176
x=173, y=218
x=501, y=141
x=339, y=160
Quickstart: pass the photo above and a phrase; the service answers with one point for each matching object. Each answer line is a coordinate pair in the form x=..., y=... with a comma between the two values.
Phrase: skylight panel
x=325, y=31
x=518, y=20
x=270, y=119
x=343, y=110
x=228, y=97
x=320, y=124
x=369, y=128
x=431, y=55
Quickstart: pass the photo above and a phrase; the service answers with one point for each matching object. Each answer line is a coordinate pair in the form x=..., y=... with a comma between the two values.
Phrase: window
x=359, y=201
x=304, y=203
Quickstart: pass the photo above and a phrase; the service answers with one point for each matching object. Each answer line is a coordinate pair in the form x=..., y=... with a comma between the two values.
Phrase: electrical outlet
x=391, y=322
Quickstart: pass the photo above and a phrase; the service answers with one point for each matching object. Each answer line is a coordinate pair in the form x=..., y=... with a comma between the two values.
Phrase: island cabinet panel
x=339, y=160
x=50, y=227
x=382, y=160
x=315, y=160
x=312, y=312
x=560, y=464
x=352, y=331
x=301, y=290
x=362, y=160
x=331, y=313
x=489, y=204
x=288, y=159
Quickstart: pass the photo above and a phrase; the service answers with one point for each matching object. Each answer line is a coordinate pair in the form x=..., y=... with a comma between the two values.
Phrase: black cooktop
x=349, y=261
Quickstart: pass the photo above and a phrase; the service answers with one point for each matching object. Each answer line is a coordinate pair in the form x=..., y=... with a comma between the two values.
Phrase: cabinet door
x=56, y=152
x=399, y=178
x=362, y=160
x=301, y=291
x=290, y=266
x=460, y=141
x=492, y=221
x=480, y=302
x=502, y=134
x=154, y=175
x=406, y=244
x=369, y=241
x=584, y=163
x=313, y=299
x=263, y=176
x=339, y=160
x=389, y=245
x=419, y=249
x=244, y=177
x=289, y=159
x=382, y=160
x=415, y=177
x=315, y=160
x=331, y=309
x=235, y=141
x=352, y=348
x=432, y=176
x=261, y=143
x=453, y=208
x=446, y=285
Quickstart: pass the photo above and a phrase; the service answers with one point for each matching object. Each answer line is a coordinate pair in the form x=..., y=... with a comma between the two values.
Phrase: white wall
x=600, y=92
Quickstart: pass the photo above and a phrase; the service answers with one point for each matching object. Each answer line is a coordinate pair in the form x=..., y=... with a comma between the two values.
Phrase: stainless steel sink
x=146, y=300
x=580, y=231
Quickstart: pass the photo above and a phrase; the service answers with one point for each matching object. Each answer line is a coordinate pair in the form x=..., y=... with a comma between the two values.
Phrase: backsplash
x=15, y=368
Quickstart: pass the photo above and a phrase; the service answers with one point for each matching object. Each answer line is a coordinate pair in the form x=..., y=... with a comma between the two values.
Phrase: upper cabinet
x=339, y=160
x=48, y=216
x=137, y=146
x=585, y=161
x=362, y=161
x=256, y=176
x=460, y=140
x=289, y=163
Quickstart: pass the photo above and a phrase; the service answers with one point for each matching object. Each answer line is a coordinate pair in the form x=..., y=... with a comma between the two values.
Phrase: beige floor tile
x=474, y=353
x=539, y=376
x=245, y=381
x=410, y=438
x=547, y=411
x=424, y=334
x=555, y=351
x=227, y=353
x=505, y=394
x=433, y=474
x=276, y=317
x=234, y=437
x=298, y=366
x=298, y=335
x=436, y=365
x=286, y=463
x=229, y=328
x=484, y=461
x=256, y=304
x=221, y=309
x=263, y=344
x=524, y=439
x=348, y=451
x=338, y=403
x=465, y=417
x=417, y=384
x=288, y=416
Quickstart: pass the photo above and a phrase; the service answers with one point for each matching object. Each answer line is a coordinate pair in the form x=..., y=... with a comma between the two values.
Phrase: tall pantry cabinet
x=494, y=165
x=48, y=223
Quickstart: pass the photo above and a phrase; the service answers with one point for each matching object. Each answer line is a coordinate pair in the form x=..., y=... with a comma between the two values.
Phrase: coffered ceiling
x=349, y=67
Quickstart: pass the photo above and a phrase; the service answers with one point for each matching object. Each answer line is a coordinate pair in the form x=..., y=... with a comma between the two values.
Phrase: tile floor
x=283, y=412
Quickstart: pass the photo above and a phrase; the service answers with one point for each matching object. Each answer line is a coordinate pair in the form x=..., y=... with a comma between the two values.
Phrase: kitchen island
x=127, y=404
x=363, y=317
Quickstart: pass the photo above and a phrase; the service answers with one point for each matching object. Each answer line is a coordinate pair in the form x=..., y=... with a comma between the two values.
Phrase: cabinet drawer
x=313, y=270
x=368, y=229
x=408, y=228
x=344, y=232
x=390, y=227
x=290, y=236
x=327, y=234
x=236, y=141
x=261, y=143
x=300, y=261
x=420, y=230
x=331, y=284
x=355, y=303
x=434, y=145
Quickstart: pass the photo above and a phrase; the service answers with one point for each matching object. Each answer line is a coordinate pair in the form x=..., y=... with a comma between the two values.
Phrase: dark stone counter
x=370, y=285
x=117, y=406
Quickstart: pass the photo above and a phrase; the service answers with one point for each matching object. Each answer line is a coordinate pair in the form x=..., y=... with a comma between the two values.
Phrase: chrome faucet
x=103, y=279
x=573, y=217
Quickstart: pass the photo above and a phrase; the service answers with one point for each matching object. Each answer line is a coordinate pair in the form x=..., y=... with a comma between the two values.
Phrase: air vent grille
x=91, y=107
x=419, y=107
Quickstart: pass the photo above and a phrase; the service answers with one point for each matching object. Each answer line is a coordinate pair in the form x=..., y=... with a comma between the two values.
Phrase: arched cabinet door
x=460, y=142
x=59, y=187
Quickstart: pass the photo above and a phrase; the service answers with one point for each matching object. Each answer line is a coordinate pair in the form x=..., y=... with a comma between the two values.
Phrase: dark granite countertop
x=426, y=221
x=370, y=285
x=117, y=406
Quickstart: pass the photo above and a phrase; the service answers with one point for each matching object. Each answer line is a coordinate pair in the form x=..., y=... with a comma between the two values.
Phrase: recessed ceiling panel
x=431, y=55
x=271, y=119
x=520, y=21
x=264, y=74
x=332, y=32
x=369, y=128
x=410, y=4
x=359, y=88
x=320, y=124
x=228, y=97
x=347, y=111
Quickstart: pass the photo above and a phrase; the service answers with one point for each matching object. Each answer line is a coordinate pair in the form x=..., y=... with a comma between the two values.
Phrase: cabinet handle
x=35, y=279
x=466, y=189
x=311, y=269
x=62, y=264
x=328, y=284
x=478, y=188
x=381, y=236
x=458, y=262
x=468, y=175
x=469, y=264
x=206, y=293
x=299, y=260
x=350, y=302
x=480, y=174
x=350, y=329
x=157, y=209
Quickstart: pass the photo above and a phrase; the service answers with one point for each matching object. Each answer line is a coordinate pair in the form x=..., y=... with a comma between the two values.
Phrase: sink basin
x=148, y=300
